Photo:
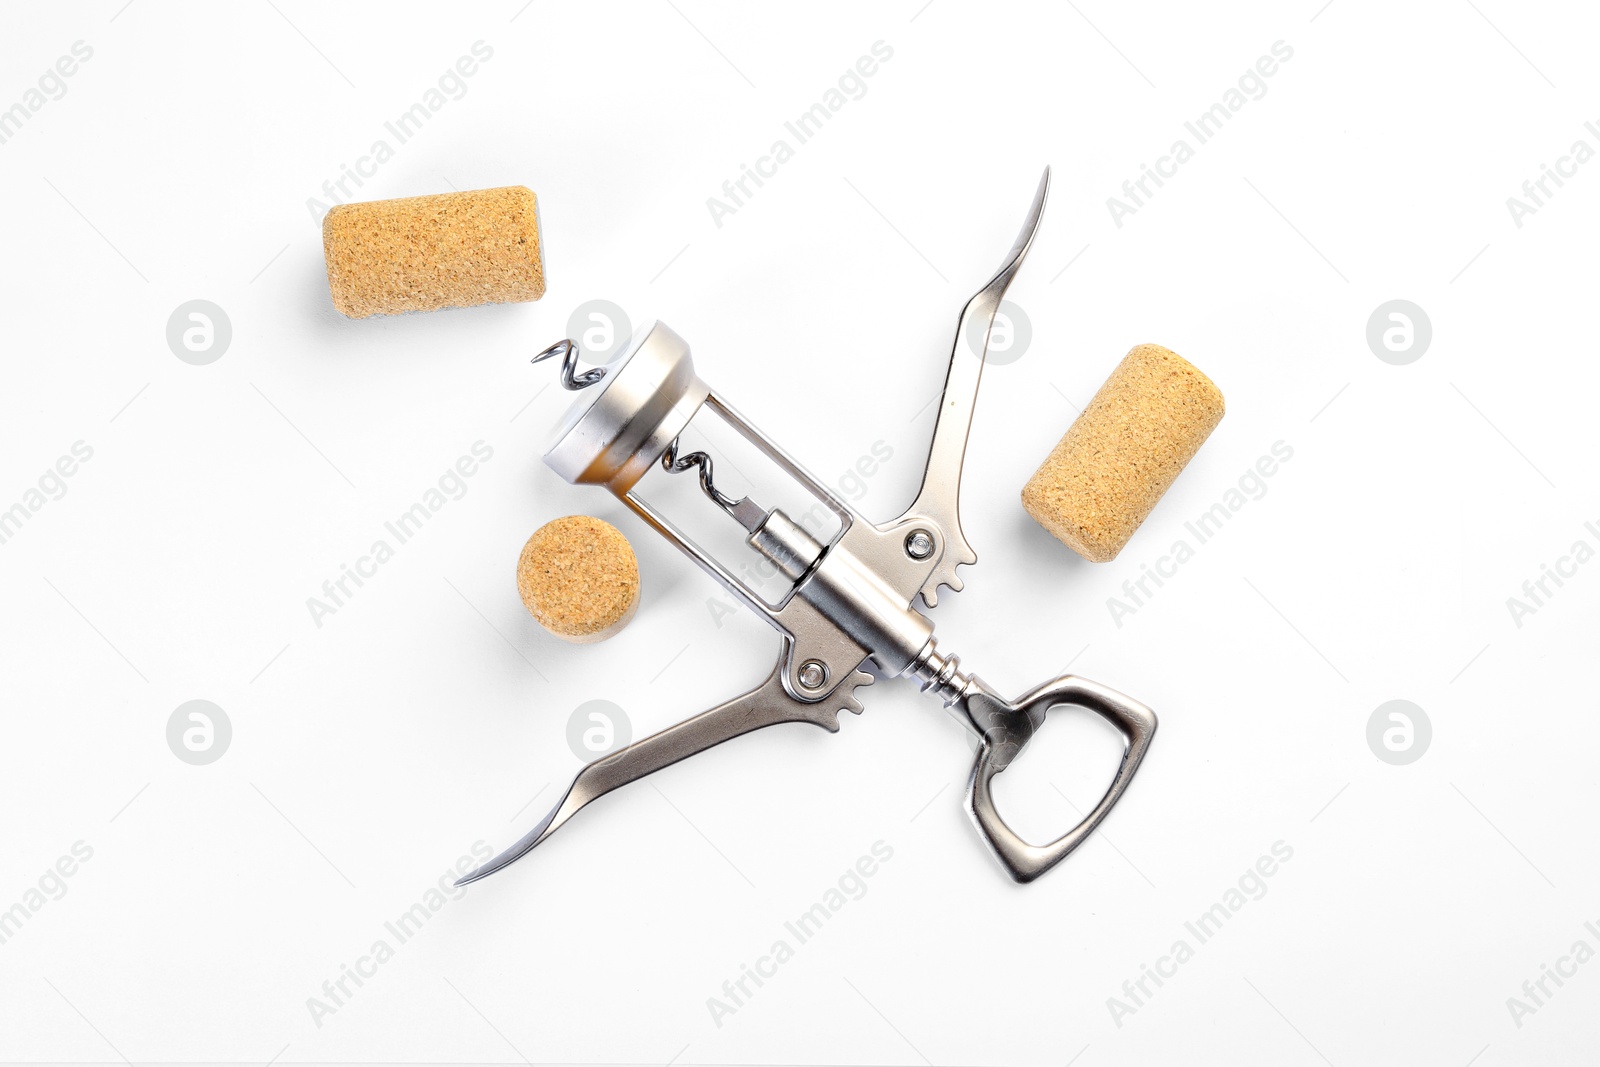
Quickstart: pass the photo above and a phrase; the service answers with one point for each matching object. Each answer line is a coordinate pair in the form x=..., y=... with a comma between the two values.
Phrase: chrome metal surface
x=786, y=543
x=850, y=601
x=765, y=705
x=937, y=504
x=813, y=674
x=567, y=349
x=1004, y=727
x=615, y=432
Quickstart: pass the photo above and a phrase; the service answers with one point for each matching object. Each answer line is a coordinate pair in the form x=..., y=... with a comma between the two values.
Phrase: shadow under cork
x=1043, y=553
x=487, y=339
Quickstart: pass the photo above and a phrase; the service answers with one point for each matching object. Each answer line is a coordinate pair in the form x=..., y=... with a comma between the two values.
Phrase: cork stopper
x=423, y=253
x=1127, y=448
x=579, y=578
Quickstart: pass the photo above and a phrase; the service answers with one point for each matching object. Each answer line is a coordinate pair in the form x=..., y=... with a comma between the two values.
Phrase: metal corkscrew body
x=850, y=600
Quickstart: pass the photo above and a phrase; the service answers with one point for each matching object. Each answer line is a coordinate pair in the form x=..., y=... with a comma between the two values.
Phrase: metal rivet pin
x=813, y=673
x=919, y=544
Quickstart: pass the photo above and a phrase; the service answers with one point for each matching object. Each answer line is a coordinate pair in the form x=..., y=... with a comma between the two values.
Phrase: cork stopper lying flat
x=423, y=253
x=579, y=578
x=1125, y=450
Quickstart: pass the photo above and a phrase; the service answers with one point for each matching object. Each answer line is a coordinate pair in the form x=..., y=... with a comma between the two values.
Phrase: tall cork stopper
x=1127, y=448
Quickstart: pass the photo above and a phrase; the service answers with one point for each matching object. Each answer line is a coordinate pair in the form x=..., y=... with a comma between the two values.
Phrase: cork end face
x=1181, y=381
x=579, y=579
x=338, y=265
x=1124, y=452
x=424, y=253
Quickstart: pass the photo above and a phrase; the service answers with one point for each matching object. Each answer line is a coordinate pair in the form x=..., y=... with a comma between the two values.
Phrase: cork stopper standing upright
x=579, y=578
x=1131, y=442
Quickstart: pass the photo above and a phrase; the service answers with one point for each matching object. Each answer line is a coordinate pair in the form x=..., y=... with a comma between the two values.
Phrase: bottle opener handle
x=1005, y=727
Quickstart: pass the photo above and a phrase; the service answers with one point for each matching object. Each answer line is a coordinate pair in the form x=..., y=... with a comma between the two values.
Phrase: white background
x=372, y=752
